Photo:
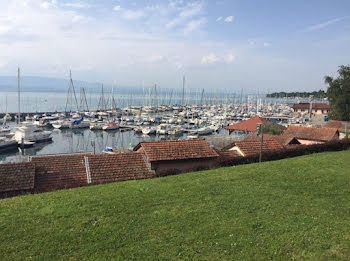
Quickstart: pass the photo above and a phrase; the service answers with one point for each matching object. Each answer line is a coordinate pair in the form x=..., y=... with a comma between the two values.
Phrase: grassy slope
x=296, y=208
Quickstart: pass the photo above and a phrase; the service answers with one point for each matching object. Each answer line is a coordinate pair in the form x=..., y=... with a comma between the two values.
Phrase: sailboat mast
x=75, y=96
x=19, y=96
x=183, y=90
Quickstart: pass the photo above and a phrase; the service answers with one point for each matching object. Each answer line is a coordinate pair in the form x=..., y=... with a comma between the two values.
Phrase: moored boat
x=30, y=132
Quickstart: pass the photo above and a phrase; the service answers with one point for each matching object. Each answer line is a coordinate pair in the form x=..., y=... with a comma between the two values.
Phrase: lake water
x=80, y=140
x=57, y=101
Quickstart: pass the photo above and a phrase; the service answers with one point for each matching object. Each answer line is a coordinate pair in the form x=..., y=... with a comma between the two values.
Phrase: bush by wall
x=289, y=152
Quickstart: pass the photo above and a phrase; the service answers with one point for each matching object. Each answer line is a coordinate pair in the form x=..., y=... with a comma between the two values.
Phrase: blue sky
x=252, y=45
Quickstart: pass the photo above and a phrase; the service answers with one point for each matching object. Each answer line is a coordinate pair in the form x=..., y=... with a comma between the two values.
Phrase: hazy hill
x=46, y=84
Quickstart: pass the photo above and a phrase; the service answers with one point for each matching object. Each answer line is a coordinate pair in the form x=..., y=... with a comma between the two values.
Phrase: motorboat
x=149, y=130
x=138, y=129
x=189, y=137
x=60, y=124
x=4, y=130
x=204, y=131
x=175, y=131
x=96, y=125
x=45, y=121
x=163, y=129
x=31, y=133
x=110, y=150
x=110, y=126
x=7, y=144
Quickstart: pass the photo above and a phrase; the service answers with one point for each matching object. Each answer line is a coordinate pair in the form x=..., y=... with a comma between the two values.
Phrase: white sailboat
x=5, y=129
x=27, y=132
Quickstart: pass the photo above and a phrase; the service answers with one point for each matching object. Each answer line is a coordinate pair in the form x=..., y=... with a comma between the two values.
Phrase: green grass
x=290, y=209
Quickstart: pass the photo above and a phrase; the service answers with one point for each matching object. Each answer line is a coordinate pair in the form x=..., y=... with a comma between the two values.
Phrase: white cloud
x=325, y=24
x=117, y=8
x=79, y=19
x=187, y=12
x=4, y=29
x=47, y=4
x=251, y=42
x=266, y=44
x=229, y=19
x=230, y=58
x=219, y=19
x=62, y=39
x=129, y=14
x=77, y=5
x=209, y=59
x=132, y=14
x=156, y=58
x=194, y=25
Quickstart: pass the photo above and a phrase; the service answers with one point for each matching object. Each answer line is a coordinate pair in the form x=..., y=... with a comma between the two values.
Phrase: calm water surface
x=72, y=141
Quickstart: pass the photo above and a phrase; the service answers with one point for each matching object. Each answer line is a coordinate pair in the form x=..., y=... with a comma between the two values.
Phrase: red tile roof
x=118, y=167
x=342, y=126
x=281, y=139
x=229, y=154
x=314, y=134
x=176, y=150
x=249, y=148
x=251, y=125
x=59, y=171
x=16, y=176
x=315, y=106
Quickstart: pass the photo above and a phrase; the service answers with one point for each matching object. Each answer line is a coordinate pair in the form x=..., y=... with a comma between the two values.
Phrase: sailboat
x=79, y=124
x=5, y=128
x=27, y=132
x=110, y=126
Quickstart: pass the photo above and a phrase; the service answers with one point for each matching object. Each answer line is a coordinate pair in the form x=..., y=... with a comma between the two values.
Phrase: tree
x=339, y=94
x=270, y=128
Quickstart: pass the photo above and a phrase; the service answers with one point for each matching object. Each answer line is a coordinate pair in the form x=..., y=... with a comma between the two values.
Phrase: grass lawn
x=296, y=208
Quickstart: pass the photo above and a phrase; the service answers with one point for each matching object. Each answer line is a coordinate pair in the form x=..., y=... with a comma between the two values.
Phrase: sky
x=257, y=46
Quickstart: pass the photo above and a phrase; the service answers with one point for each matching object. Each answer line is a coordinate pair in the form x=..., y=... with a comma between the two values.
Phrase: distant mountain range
x=46, y=84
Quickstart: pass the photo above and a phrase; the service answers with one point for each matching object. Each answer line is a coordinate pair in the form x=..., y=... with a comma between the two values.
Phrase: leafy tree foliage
x=319, y=94
x=270, y=128
x=339, y=94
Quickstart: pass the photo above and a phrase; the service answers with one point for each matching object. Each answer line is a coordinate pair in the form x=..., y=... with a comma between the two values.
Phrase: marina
x=121, y=129
x=108, y=123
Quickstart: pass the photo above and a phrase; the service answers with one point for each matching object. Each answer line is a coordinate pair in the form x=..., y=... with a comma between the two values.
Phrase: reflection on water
x=72, y=141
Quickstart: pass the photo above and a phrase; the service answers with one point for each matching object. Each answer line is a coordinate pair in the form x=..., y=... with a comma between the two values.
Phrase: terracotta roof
x=306, y=106
x=248, y=125
x=281, y=139
x=229, y=154
x=249, y=148
x=16, y=176
x=314, y=134
x=342, y=126
x=118, y=167
x=176, y=150
x=251, y=125
x=286, y=140
x=59, y=171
